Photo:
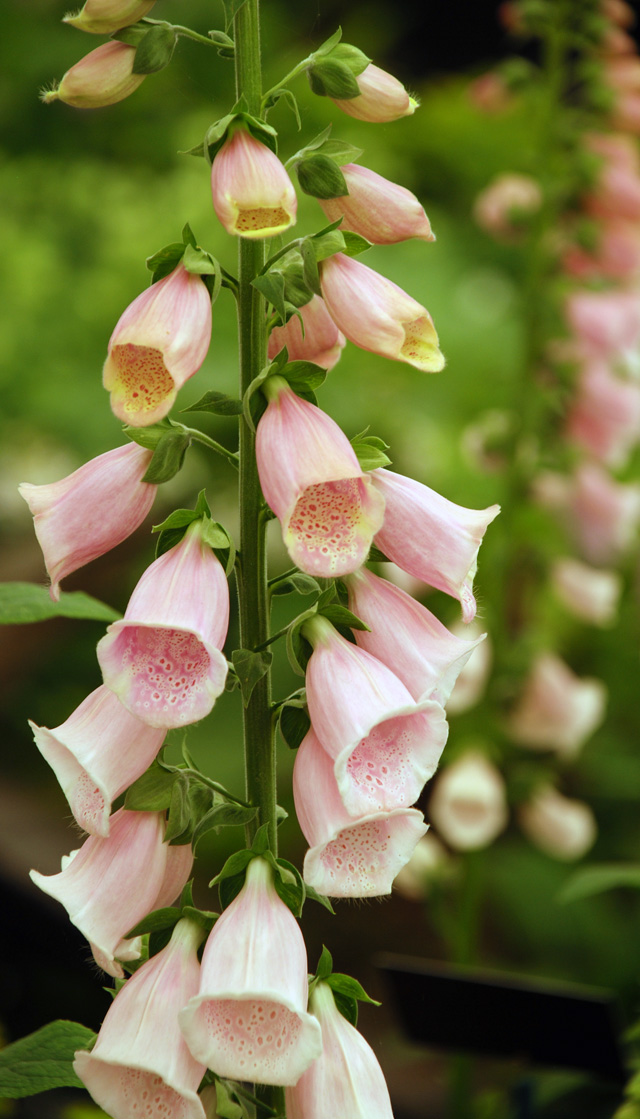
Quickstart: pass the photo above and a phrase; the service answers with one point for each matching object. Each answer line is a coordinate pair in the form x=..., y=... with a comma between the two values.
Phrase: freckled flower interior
x=136, y=1093
x=356, y=862
x=420, y=346
x=168, y=671
x=142, y=389
x=251, y=1036
x=269, y=219
x=388, y=768
x=329, y=532
x=87, y=804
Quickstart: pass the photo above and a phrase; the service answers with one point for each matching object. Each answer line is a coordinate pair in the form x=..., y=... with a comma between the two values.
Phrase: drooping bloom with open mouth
x=253, y=195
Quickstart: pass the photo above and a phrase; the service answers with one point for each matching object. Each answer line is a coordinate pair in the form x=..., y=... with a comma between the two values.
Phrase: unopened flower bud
x=102, y=17
x=102, y=77
x=253, y=195
x=382, y=98
x=377, y=209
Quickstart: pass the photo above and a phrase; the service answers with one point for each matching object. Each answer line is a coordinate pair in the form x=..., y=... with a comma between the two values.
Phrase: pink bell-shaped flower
x=383, y=744
x=163, y=659
x=556, y=709
x=616, y=255
x=102, y=17
x=605, y=416
x=110, y=884
x=140, y=1065
x=430, y=537
x=407, y=637
x=591, y=593
x=253, y=195
x=377, y=315
x=327, y=506
x=322, y=343
x=605, y=514
x=617, y=190
x=102, y=77
x=347, y=1079
x=377, y=209
x=564, y=829
x=382, y=98
x=348, y=858
x=468, y=805
x=158, y=343
x=249, y=1020
x=96, y=754
x=91, y=511
x=504, y=208
x=606, y=324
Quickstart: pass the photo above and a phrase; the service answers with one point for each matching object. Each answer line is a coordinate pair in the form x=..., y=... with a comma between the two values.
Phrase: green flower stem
x=287, y=78
x=200, y=437
x=259, y=741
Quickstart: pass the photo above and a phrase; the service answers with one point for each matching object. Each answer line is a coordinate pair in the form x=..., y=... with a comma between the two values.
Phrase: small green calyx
x=334, y=68
x=320, y=176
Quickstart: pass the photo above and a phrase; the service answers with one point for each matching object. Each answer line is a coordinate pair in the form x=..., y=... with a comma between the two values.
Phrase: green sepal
x=150, y=436
x=227, y=1104
x=218, y=403
x=349, y=987
x=201, y=263
x=320, y=177
x=292, y=893
x=298, y=648
x=206, y=918
x=289, y=99
x=231, y=878
x=298, y=582
x=168, y=456
x=341, y=618
x=165, y=260
x=213, y=534
x=329, y=77
x=155, y=49
x=341, y=151
x=152, y=791
x=43, y=1060
x=133, y=34
x=179, y=819
x=250, y=667
x=223, y=814
x=354, y=244
x=370, y=451
x=303, y=376
x=351, y=56
x=313, y=895
x=253, y=405
x=160, y=919
x=325, y=964
x=272, y=286
x=376, y=556
x=310, y=271
x=293, y=719
x=21, y=603
x=218, y=132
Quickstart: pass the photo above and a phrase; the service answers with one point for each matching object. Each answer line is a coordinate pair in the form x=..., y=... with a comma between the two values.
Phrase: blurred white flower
x=562, y=828
x=557, y=710
x=468, y=806
x=590, y=593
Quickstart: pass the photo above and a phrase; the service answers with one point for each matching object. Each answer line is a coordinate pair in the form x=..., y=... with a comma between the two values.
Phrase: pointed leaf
x=168, y=457
x=303, y=584
x=179, y=810
x=271, y=285
x=250, y=667
x=43, y=1060
x=599, y=878
x=26, y=602
x=152, y=791
x=222, y=815
x=346, y=985
x=354, y=244
x=294, y=724
x=325, y=964
x=304, y=376
x=155, y=50
x=160, y=919
x=320, y=898
x=165, y=260
x=320, y=177
x=218, y=403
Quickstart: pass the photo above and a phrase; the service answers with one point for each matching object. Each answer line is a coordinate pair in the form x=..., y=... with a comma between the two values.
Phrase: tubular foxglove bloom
x=606, y=324
x=377, y=209
x=504, y=207
x=430, y=537
x=90, y=511
x=468, y=806
x=407, y=637
x=376, y=315
x=562, y=828
x=102, y=17
x=384, y=745
x=328, y=508
x=322, y=343
x=158, y=343
x=347, y=1079
x=140, y=1064
x=110, y=884
x=605, y=514
x=590, y=593
x=382, y=98
x=348, y=858
x=249, y=1020
x=102, y=77
x=557, y=710
x=604, y=418
x=96, y=754
x=253, y=195
x=163, y=659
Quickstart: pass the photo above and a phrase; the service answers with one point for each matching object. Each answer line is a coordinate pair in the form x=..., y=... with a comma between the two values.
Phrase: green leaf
x=160, y=919
x=27, y=602
x=250, y=667
x=290, y=886
x=180, y=518
x=131, y=35
x=353, y=57
x=165, y=260
x=272, y=286
x=168, y=457
x=304, y=376
x=340, y=616
x=354, y=244
x=370, y=452
x=376, y=556
x=206, y=918
x=179, y=809
x=289, y=99
x=294, y=724
x=43, y=1060
x=310, y=266
x=188, y=235
x=298, y=649
x=155, y=50
x=218, y=403
x=328, y=244
x=329, y=44
x=599, y=878
x=348, y=1007
x=152, y=791
x=203, y=264
x=150, y=436
x=303, y=584
x=325, y=964
x=227, y=1106
x=349, y=987
x=320, y=177
x=339, y=150
x=313, y=895
x=251, y=408
x=222, y=815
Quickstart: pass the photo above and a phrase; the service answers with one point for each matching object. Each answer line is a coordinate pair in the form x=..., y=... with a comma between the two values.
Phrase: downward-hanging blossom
x=383, y=744
x=382, y=98
x=430, y=537
x=327, y=506
x=96, y=754
x=377, y=315
x=383, y=212
x=158, y=343
x=110, y=884
x=163, y=659
x=348, y=858
x=140, y=1064
x=407, y=637
x=468, y=806
x=556, y=709
x=591, y=593
x=102, y=17
x=604, y=417
x=90, y=511
x=249, y=1019
x=253, y=195
x=322, y=342
x=102, y=77
x=562, y=828
x=346, y=1080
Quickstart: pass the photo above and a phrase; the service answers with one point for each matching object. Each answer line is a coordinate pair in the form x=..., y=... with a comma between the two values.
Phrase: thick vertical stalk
x=252, y=574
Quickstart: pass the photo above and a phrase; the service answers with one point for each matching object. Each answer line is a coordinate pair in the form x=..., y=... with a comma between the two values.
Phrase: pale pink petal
x=102, y=17
x=382, y=97
x=377, y=209
x=468, y=805
x=253, y=195
x=102, y=77
x=322, y=342
x=556, y=709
